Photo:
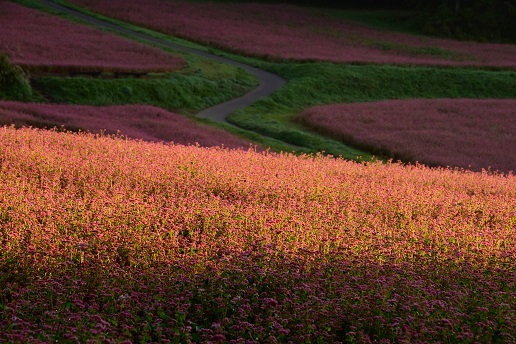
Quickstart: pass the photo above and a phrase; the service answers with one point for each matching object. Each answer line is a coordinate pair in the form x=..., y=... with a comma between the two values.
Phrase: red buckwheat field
x=50, y=43
x=290, y=176
x=280, y=31
x=144, y=122
x=464, y=133
x=108, y=240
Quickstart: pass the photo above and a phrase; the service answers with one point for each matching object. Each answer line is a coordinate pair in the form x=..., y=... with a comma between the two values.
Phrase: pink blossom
x=380, y=252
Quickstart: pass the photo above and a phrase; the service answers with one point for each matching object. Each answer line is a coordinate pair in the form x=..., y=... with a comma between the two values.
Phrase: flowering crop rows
x=464, y=133
x=116, y=241
x=40, y=41
x=281, y=31
x=144, y=122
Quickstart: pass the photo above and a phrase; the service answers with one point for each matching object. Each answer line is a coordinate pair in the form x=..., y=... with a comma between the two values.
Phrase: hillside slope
x=104, y=239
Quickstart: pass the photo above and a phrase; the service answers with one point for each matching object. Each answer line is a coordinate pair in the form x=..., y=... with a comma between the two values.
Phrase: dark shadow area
x=256, y=296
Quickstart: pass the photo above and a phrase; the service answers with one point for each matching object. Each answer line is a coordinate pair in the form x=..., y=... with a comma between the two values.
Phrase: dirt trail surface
x=268, y=82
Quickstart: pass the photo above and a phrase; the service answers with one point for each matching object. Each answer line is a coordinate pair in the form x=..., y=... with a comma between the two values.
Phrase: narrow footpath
x=268, y=82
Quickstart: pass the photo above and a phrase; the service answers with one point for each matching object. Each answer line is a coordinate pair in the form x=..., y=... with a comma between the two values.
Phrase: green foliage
x=169, y=93
x=393, y=20
x=14, y=84
x=418, y=51
x=480, y=20
x=317, y=83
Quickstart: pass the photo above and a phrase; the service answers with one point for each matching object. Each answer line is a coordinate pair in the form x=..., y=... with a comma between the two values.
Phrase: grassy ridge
x=202, y=84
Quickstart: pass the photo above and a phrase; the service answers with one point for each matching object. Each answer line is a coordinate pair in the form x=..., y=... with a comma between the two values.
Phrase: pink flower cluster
x=119, y=241
x=143, y=122
x=43, y=42
x=466, y=133
x=290, y=32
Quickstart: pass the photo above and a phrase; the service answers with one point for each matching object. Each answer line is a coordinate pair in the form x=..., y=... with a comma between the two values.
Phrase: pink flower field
x=144, y=122
x=105, y=240
x=39, y=41
x=466, y=133
x=289, y=32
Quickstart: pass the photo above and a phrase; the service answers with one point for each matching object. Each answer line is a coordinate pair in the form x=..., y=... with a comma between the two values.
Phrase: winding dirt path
x=268, y=82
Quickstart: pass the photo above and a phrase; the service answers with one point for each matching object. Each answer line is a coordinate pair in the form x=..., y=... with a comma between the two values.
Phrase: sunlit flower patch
x=119, y=241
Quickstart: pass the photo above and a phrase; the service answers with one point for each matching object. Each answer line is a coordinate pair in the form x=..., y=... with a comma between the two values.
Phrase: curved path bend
x=268, y=82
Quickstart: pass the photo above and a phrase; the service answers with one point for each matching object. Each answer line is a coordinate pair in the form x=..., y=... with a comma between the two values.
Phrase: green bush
x=14, y=84
x=480, y=20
